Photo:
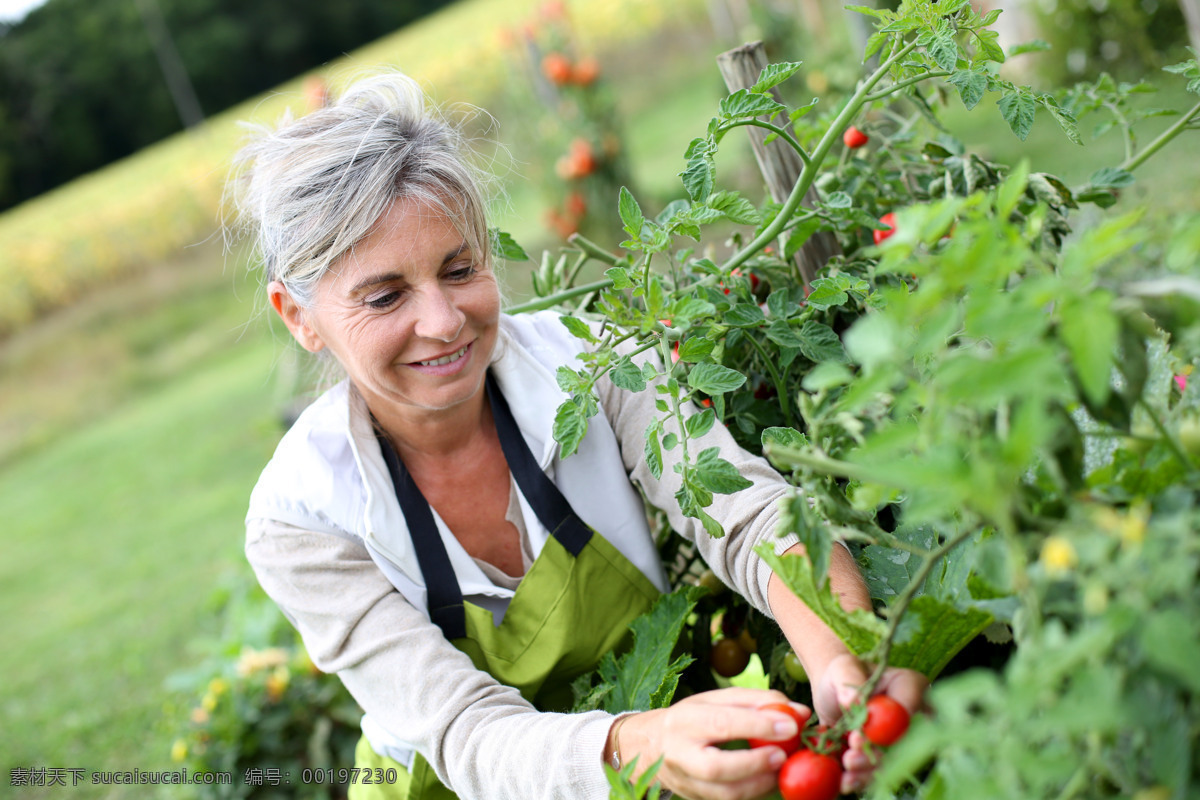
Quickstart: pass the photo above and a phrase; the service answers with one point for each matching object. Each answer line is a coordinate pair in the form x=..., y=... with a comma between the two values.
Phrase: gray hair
x=310, y=189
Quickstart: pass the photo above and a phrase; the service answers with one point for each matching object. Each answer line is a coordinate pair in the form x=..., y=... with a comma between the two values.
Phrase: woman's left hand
x=839, y=687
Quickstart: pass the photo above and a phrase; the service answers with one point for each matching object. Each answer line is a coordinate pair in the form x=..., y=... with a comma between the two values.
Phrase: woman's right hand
x=686, y=734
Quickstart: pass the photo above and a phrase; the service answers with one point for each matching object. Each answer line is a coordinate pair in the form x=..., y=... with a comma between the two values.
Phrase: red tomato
x=887, y=721
x=728, y=658
x=586, y=72
x=888, y=219
x=810, y=776
x=557, y=68
x=854, y=138
x=791, y=744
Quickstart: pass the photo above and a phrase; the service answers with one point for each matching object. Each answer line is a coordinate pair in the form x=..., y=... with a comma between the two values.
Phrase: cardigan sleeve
x=481, y=737
x=749, y=517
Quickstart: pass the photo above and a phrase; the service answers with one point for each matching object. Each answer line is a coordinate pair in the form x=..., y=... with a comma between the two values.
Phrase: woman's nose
x=438, y=317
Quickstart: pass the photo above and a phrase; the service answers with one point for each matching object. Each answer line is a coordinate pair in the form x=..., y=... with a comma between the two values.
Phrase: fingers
x=689, y=730
x=726, y=715
x=907, y=687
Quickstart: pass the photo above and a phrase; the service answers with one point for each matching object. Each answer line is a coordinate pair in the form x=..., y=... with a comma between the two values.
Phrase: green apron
x=573, y=605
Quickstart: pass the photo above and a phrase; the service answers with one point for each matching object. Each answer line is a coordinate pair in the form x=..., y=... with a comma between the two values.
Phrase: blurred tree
x=80, y=84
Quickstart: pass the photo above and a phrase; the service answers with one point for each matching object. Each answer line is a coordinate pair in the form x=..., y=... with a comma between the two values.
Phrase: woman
x=407, y=506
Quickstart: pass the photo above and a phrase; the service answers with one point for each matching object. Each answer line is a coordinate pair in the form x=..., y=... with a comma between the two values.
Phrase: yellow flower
x=1058, y=555
x=277, y=682
x=252, y=661
x=218, y=686
x=179, y=750
x=209, y=701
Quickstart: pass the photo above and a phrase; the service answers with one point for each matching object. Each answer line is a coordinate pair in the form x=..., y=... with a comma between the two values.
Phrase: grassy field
x=133, y=424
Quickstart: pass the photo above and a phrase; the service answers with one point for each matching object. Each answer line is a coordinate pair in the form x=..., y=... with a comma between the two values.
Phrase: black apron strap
x=443, y=595
x=552, y=509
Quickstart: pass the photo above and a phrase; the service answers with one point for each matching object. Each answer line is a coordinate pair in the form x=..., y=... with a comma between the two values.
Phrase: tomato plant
x=990, y=422
x=810, y=776
x=886, y=722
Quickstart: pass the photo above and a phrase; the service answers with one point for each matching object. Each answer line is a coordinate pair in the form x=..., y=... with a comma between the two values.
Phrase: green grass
x=117, y=535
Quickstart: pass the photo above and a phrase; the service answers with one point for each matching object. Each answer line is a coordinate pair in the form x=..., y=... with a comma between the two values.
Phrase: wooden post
x=779, y=163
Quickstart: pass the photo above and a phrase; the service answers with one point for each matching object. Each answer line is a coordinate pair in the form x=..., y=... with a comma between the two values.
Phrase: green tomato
x=1189, y=435
x=793, y=667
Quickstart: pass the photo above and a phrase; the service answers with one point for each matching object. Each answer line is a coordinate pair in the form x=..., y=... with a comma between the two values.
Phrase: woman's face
x=411, y=313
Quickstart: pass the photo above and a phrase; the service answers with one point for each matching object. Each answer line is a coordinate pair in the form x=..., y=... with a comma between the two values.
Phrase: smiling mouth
x=450, y=359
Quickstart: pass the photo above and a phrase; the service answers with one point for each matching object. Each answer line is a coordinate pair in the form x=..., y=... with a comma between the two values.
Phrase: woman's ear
x=293, y=317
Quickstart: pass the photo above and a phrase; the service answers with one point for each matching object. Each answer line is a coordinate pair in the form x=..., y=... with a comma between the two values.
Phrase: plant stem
x=809, y=174
x=594, y=250
x=1176, y=448
x=894, y=87
x=777, y=379
x=827, y=465
x=558, y=297
x=1170, y=133
x=896, y=610
x=783, y=134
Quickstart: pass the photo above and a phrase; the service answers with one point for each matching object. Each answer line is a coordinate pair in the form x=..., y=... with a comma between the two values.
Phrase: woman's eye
x=463, y=273
x=384, y=300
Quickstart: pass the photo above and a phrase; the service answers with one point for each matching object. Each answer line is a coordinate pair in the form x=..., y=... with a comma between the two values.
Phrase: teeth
x=437, y=362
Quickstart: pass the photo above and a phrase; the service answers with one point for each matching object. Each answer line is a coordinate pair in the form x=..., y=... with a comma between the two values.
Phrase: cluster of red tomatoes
x=813, y=769
x=561, y=72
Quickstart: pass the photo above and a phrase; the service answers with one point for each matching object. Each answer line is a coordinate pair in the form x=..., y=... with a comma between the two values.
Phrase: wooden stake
x=779, y=163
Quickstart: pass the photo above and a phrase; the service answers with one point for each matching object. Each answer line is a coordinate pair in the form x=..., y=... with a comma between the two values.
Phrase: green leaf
x=775, y=74
x=796, y=517
x=627, y=375
x=578, y=328
x=828, y=292
x=638, y=677
x=653, y=451
x=1009, y=193
x=698, y=174
x=744, y=104
x=1090, y=331
x=631, y=214
x=971, y=86
x=714, y=379
x=819, y=342
x=988, y=42
x=860, y=630
x=571, y=422
x=569, y=380
x=944, y=50
x=715, y=473
x=505, y=247
x=695, y=348
x=1171, y=642
x=735, y=207
x=1018, y=107
x=1064, y=119
x=1111, y=178
x=700, y=424
x=932, y=632
x=620, y=277
x=785, y=437
x=744, y=315
x=782, y=334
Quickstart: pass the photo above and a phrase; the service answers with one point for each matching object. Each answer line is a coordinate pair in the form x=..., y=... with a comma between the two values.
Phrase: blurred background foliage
x=82, y=83
x=141, y=386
